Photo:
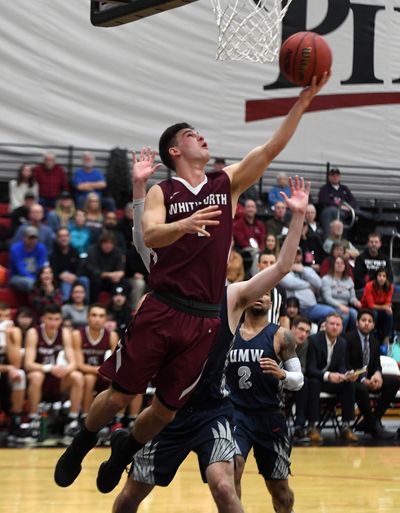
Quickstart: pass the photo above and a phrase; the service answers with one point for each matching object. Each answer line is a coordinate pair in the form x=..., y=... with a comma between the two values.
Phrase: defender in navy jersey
x=204, y=424
x=187, y=225
x=256, y=380
x=92, y=344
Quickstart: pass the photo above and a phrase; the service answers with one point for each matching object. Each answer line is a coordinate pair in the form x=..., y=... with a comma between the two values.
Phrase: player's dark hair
x=167, y=141
x=96, y=305
x=51, y=309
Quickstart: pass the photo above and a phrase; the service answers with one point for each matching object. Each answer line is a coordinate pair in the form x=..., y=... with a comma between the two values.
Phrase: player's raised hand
x=143, y=166
x=198, y=221
x=310, y=91
x=299, y=194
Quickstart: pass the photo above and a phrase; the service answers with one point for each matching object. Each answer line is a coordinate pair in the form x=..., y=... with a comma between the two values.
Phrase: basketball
x=304, y=55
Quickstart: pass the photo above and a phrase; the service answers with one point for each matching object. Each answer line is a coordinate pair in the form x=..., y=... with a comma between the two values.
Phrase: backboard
x=111, y=13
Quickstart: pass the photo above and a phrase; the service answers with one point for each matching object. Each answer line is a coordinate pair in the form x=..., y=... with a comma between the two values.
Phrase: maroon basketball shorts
x=51, y=389
x=166, y=347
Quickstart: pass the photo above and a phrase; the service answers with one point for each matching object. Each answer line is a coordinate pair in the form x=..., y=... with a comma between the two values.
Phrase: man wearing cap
x=27, y=257
x=119, y=309
x=35, y=218
x=90, y=179
x=20, y=215
x=333, y=196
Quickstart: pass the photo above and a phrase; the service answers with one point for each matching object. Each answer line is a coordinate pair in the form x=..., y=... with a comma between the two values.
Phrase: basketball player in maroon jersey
x=91, y=344
x=51, y=366
x=187, y=222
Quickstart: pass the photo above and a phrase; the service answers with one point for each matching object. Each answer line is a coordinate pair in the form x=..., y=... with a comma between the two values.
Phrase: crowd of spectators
x=70, y=249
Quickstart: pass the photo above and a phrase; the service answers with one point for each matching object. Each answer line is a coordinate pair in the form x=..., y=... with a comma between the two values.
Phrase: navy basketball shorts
x=206, y=432
x=166, y=347
x=267, y=433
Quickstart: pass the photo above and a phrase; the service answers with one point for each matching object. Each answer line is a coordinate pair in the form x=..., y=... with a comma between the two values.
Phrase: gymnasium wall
x=66, y=82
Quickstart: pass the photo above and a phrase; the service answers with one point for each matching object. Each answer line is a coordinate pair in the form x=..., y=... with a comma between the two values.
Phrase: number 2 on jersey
x=244, y=374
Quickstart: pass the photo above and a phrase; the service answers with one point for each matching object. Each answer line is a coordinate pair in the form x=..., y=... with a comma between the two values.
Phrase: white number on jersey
x=244, y=374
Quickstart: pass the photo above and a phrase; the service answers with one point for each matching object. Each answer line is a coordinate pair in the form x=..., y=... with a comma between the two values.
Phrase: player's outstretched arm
x=243, y=294
x=247, y=172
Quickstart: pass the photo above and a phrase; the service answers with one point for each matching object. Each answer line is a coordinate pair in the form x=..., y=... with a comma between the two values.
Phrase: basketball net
x=249, y=29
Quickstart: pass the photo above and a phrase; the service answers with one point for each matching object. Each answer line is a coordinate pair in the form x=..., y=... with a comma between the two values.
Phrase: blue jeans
x=318, y=312
x=21, y=283
x=349, y=319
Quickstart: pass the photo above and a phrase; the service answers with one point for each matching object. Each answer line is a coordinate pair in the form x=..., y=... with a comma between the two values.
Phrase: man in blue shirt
x=90, y=179
x=27, y=257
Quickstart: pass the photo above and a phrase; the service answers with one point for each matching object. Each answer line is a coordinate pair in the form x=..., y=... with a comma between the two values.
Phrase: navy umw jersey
x=251, y=389
x=212, y=385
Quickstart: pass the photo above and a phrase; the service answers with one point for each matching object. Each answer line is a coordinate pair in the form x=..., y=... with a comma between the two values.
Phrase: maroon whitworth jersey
x=94, y=350
x=48, y=349
x=195, y=266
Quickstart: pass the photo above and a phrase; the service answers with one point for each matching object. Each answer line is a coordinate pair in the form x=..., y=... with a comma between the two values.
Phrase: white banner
x=64, y=81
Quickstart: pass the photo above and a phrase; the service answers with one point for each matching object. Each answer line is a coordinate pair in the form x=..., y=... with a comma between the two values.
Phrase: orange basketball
x=304, y=55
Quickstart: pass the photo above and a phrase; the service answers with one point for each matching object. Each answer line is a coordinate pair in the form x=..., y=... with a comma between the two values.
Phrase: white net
x=249, y=29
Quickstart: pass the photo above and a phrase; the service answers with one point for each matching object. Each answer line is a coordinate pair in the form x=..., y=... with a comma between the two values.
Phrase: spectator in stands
x=13, y=380
x=119, y=309
x=45, y=291
x=93, y=343
x=311, y=218
x=90, y=179
x=35, y=218
x=76, y=310
x=282, y=185
x=80, y=233
x=104, y=265
x=336, y=235
x=125, y=224
x=278, y=225
x=337, y=250
x=363, y=351
x=301, y=328
x=303, y=282
x=66, y=263
x=50, y=363
x=111, y=224
x=94, y=216
x=27, y=257
x=20, y=215
x=292, y=308
x=377, y=297
x=64, y=212
x=332, y=199
x=249, y=234
x=369, y=261
x=326, y=372
x=277, y=312
x=52, y=180
x=235, y=271
x=338, y=290
x=24, y=319
x=272, y=245
x=311, y=246
x=293, y=311
x=219, y=164
x=23, y=184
